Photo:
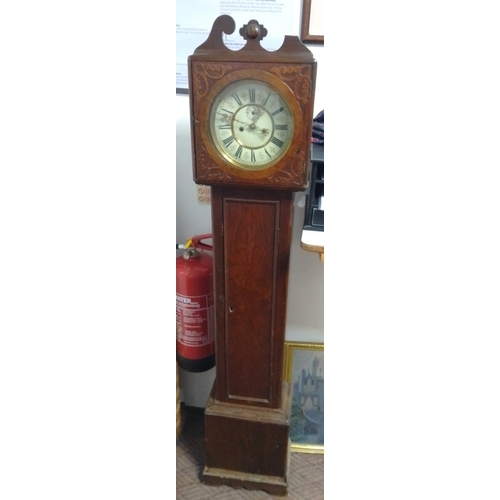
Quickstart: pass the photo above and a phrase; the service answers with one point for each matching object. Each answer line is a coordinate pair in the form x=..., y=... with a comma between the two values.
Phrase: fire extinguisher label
x=195, y=320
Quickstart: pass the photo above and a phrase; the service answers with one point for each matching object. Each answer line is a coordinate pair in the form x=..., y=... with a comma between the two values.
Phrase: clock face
x=250, y=124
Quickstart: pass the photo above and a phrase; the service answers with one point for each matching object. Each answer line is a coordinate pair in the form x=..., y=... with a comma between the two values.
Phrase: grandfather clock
x=251, y=115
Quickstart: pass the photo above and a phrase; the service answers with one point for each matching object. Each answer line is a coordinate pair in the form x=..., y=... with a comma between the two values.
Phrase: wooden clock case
x=247, y=414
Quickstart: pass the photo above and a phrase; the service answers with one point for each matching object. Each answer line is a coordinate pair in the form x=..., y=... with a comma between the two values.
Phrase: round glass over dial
x=251, y=124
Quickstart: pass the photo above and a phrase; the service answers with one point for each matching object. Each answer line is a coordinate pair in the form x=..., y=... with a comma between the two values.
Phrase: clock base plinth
x=223, y=477
x=247, y=446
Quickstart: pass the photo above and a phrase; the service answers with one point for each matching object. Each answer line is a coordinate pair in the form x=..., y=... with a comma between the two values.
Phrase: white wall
x=306, y=277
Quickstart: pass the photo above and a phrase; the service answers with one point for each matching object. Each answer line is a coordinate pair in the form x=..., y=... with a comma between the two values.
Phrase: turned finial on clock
x=253, y=31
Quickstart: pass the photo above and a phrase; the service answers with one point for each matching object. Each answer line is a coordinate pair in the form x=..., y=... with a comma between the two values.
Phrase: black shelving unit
x=314, y=213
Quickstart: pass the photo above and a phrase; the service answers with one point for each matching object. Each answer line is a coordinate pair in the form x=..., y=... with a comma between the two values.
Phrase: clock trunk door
x=252, y=231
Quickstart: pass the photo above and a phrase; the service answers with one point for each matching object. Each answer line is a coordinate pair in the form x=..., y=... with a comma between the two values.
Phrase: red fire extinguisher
x=195, y=306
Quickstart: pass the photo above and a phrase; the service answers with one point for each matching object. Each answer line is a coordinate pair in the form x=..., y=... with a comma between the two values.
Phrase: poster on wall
x=194, y=20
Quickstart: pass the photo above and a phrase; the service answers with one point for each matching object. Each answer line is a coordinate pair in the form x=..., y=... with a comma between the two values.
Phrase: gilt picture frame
x=304, y=371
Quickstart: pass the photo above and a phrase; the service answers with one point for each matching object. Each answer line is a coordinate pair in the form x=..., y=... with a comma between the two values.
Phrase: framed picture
x=304, y=371
x=312, y=30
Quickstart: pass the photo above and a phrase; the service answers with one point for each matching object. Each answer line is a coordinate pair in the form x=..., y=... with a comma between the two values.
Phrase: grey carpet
x=306, y=473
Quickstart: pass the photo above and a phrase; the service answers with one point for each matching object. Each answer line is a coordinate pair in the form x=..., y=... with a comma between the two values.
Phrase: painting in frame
x=304, y=371
x=311, y=29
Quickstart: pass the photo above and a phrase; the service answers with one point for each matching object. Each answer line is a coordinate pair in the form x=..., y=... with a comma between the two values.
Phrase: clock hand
x=252, y=126
x=226, y=117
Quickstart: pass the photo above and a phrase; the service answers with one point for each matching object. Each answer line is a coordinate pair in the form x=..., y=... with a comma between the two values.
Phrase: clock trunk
x=247, y=416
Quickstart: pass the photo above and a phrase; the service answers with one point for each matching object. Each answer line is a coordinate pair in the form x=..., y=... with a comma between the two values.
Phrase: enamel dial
x=250, y=124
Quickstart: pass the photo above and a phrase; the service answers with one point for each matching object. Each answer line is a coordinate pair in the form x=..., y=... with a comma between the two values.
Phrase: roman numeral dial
x=250, y=124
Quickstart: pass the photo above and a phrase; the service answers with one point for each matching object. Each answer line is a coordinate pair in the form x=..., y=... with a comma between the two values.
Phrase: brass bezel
x=215, y=103
x=286, y=94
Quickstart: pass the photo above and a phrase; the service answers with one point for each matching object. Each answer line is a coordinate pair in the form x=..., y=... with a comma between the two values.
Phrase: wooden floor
x=305, y=482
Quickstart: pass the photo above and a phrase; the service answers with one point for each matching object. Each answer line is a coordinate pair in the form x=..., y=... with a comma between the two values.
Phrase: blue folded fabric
x=318, y=128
